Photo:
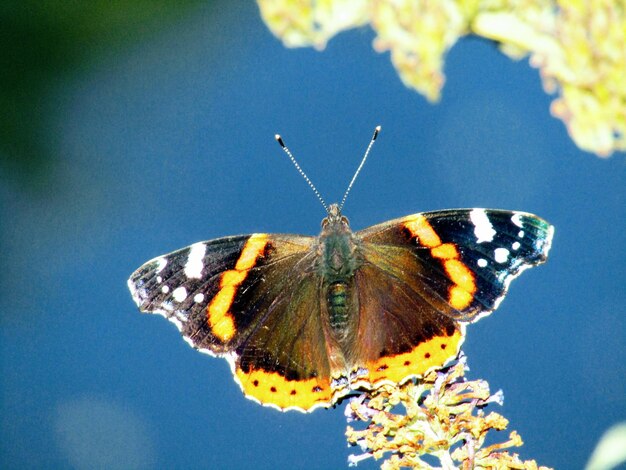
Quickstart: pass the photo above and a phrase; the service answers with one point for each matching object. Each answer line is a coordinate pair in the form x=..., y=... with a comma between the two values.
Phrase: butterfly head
x=335, y=220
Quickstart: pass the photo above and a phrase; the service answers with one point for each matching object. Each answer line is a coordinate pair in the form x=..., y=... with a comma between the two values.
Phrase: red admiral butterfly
x=304, y=320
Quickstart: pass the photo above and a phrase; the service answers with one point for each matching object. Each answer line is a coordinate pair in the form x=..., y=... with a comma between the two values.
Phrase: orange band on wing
x=251, y=251
x=272, y=388
x=420, y=228
x=219, y=317
x=459, y=297
x=460, y=275
x=445, y=251
x=434, y=353
x=461, y=294
x=220, y=320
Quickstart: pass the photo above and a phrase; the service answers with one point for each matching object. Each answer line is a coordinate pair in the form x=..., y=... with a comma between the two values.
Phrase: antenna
x=358, y=170
x=295, y=163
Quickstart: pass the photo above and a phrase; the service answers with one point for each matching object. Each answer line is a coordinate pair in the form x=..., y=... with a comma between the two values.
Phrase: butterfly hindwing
x=401, y=334
x=286, y=360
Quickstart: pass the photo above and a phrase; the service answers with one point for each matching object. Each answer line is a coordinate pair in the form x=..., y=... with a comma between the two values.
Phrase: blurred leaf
x=611, y=450
x=45, y=42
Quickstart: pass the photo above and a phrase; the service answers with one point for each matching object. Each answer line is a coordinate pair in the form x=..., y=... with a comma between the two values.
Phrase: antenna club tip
x=279, y=139
x=376, y=131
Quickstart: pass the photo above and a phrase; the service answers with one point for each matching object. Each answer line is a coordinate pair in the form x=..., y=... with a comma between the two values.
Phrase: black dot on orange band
x=293, y=392
x=316, y=389
x=273, y=389
x=443, y=346
x=382, y=368
x=407, y=363
x=427, y=355
x=255, y=383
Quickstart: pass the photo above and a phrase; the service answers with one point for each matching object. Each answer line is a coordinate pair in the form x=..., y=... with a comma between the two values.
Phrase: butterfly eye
x=324, y=222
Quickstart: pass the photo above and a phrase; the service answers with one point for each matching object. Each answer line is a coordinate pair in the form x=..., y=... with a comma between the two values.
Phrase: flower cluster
x=579, y=47
x=436, y=422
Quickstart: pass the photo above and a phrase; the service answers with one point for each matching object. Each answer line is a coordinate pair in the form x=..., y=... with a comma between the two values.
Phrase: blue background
x=171, y=141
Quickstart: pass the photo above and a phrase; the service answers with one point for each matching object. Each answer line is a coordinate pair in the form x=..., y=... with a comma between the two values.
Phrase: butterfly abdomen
x=337, y=298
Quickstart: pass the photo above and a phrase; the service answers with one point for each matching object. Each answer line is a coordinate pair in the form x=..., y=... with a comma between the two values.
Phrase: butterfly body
x=339, y=259
x=303, y=320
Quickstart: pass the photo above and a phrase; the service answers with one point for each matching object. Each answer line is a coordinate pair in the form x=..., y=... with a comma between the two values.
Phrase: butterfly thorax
x=337, y=262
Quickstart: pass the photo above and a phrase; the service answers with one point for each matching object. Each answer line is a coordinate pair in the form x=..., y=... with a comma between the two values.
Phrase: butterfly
x=304, y=321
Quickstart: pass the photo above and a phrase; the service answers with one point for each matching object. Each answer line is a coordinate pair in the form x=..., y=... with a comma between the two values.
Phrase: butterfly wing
x=401, y=333
x=467, y=257
x=290, y=360
x=243, y=298
x=424, y=276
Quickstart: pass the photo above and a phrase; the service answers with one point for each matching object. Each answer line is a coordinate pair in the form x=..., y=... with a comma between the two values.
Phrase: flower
x=579, y=47
x=442, y=416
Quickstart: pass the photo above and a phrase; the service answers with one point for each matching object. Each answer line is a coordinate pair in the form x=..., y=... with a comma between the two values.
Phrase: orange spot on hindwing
x=219, y=318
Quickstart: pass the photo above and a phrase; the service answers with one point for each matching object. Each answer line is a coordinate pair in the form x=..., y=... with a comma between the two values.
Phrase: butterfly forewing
x=216, y=291
x=466, y=257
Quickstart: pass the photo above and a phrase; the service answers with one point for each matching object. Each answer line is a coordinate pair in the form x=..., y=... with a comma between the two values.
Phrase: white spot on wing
x=520, y=234
x=179, y=294
x=198, y=298
x=482, y=227
x=516, y=218
x=515, y=246
x=165, y=289
x=159, y=279
x=482, y=262
x=508, y=277
x=162, y=263
x=501, y=255
x=193, y=268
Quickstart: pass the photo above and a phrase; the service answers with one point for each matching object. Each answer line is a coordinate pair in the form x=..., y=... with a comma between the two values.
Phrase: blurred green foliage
x=46, y=42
